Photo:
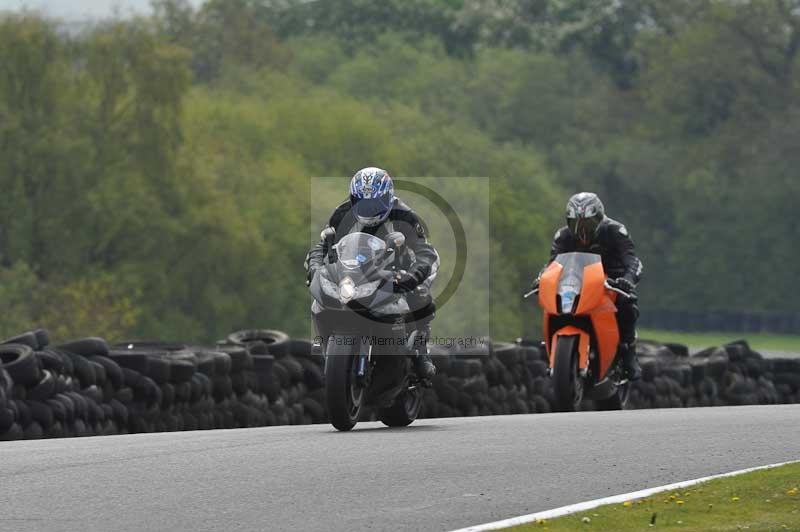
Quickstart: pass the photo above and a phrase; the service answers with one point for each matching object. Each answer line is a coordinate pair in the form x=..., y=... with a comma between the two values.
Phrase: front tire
x=343, y=393
x=404, y=410
x=567, y=384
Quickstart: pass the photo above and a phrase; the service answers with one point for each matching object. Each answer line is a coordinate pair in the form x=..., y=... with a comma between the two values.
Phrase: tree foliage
x=155, y=172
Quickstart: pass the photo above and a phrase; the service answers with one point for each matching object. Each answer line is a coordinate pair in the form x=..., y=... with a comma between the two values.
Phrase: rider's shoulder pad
x=403, y=212
x=618, y=228
x=339, y=213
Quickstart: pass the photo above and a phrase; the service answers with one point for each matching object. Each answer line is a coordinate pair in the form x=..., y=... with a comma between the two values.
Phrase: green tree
x=358, y=23
x=230, y=33
x=41, y=156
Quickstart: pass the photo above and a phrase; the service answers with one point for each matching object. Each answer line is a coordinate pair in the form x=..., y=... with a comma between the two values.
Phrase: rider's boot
x=422, y=362
x=630, y=362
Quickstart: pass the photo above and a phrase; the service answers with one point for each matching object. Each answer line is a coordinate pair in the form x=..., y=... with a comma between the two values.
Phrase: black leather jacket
x=420, y=262
x=612, y=242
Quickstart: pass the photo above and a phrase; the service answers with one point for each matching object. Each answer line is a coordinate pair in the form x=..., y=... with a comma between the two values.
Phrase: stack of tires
x=497, y=378
x=87, y=387
x=60, y=391
x=289, y=372
x=252, y=379
x=512, y=378
x=733, y=374
x=785, y=375
x=168, y=386
x=667, y=378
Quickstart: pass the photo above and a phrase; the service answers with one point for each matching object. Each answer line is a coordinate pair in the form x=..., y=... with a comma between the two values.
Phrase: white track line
x=616, y=499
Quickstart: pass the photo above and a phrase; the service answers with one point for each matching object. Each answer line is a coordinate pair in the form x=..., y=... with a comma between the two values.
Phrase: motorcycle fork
x=364, y=359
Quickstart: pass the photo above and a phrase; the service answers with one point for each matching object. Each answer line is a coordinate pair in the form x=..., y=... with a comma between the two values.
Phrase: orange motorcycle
x=581, y=333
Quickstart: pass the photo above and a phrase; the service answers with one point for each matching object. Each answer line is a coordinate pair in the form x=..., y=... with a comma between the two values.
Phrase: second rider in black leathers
x=589, y=230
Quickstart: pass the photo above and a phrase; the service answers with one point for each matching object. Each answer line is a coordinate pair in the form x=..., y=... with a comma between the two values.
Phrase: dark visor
x=372, y=207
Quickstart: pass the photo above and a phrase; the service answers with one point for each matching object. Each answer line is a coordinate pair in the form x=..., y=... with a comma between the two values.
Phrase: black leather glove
x=624, y=284
x=405, y=282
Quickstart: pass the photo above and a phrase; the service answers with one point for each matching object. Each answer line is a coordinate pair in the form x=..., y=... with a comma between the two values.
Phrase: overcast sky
x=79, y=9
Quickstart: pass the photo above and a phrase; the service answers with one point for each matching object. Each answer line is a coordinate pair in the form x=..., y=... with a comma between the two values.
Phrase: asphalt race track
x=438, y=474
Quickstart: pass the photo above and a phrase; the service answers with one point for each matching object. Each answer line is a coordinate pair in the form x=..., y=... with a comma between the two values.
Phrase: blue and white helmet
x=372, y=195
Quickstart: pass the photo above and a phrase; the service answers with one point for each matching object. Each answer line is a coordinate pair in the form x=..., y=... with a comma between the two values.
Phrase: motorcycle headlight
x=367, y=289
x=328, y=287
x=347, y=290
x=568, y=301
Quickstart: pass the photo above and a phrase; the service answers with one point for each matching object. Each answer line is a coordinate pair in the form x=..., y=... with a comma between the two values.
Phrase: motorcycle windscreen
x=570, y=283
x=360, y=257
x=359, y=249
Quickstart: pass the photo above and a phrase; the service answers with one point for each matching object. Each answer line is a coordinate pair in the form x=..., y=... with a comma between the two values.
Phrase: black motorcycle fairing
x=381, y=302
x=355, y=304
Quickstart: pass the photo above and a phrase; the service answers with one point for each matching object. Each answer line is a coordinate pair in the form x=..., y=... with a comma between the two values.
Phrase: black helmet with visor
x=585, y=212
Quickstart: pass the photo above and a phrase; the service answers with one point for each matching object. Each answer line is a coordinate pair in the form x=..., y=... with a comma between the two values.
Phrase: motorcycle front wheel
x=344, y=393
x=567, y=384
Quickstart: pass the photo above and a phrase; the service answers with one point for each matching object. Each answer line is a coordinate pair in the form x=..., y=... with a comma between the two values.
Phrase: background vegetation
x=155, y=172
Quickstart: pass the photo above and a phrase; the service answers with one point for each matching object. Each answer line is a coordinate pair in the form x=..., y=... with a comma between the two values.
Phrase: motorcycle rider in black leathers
x=589, y=230
x=373, y=208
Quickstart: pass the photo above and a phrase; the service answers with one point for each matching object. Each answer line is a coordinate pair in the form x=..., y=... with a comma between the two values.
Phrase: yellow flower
x=672, y=497
x=792, y=491
x=626, y=503
x=679, y=503
x=541, y=521
x=735, y=499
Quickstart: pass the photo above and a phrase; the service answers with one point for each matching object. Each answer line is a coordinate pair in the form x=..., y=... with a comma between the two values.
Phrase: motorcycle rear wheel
x=567, y=384
x=343, y=393
x=404, y=410
x=617, y=401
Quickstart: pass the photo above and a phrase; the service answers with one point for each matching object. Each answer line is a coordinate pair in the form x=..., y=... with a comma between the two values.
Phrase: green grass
x=767, y=500
x=766, y=342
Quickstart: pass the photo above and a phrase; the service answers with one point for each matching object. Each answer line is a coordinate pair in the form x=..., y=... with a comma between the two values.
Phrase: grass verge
x=758, y=341
x=767, y=500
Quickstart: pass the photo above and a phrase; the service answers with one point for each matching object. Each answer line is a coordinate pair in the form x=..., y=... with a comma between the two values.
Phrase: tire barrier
x=88, y=387
x=261, y=377
x=512, y=379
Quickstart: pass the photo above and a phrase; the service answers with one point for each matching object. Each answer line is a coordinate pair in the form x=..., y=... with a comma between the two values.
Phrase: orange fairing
x=595, y=303
x=593, y=288
x=583, y=345
x=548, y=288
x=546, y=331
x=604, y=322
